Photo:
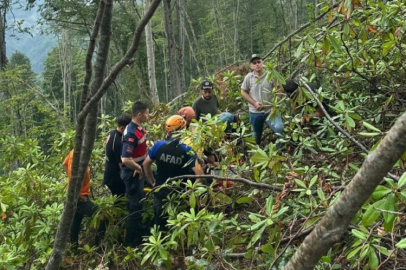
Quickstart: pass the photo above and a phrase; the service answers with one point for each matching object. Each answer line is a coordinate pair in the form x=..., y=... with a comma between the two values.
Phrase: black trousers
x=113, y=181
x=85, y=209
x=160, y=219
x=117, y=189
x=135, y=192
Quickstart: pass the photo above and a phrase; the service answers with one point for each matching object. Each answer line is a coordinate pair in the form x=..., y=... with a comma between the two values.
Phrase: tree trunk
x=335, y=222
x=316, y=3
x=166, y=75
x=174, y=78
x=87, y=117
x=150, y=59
x=65, y=60
x=181, y=47
x=235, y=19
x=192, y=43
x=223, y=31
x=3, y=24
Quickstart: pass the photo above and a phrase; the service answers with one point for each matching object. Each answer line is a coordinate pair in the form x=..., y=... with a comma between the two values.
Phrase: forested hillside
x=23, y=34
x=326, y=194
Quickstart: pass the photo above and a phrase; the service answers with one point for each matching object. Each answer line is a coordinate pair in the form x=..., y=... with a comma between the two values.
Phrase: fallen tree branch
x=360, y=145
x=330, y=229
x=233, y=179
x=173, y=100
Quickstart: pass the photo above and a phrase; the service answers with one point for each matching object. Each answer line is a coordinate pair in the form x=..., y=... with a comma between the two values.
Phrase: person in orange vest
x=84, y=207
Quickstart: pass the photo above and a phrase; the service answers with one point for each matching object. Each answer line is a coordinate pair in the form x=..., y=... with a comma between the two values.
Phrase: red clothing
x=134, y=142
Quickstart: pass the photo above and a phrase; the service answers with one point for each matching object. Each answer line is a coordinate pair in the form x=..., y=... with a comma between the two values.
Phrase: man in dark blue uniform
x=113, y=163
x=172, y=159
x=133, y=154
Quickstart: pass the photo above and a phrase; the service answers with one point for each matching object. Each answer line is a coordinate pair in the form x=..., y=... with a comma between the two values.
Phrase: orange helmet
x=188, y=113
x=175, y=122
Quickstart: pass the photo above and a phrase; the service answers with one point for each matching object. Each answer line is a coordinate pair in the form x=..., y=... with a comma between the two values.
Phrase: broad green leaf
x=373, y=259
x=353, y=253
x=3, y=207
x=335, y=43
x=369, y=134
x=326, y=149
x=350, y=121
x=358, y=234
x=326, y=259
x=269, y=203
x=310, y=40
x=278, y=77
x=379, y=192
x=401, y=244
x=321, y=195
x=370, y=127
x=388, y=217
x=192, y=200
x=372, y=213
x=386, y=47
x=146, y=257
x=256, y=236
x=257, y=225
x=163, y=253
x=268, y=249
x=401, y=183
x=313, y=180
x=346, y=29
x=300, y=183
x=382, y=249
x=299, y=50
x=355, y=116
x=244, y=200
x=260, y=156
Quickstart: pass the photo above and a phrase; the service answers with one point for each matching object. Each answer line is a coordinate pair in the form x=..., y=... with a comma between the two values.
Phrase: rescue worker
x=172, y=159
x=133, y=153
x=112, y=167
x=84, y=207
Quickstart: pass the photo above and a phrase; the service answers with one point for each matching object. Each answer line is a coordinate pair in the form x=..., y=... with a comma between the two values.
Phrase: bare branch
x=121, y=64
x=338, y=216
x=299, y=30
x=222, y=178
x=360, y=145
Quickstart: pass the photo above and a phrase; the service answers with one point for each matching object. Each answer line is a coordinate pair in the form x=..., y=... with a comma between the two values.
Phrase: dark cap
x=206, y=85
x=254, y=56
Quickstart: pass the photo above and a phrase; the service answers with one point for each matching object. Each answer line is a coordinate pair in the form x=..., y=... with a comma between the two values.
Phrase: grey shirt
x=259, y=89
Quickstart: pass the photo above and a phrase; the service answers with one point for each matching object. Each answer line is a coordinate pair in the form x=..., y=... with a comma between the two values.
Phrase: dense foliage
x=355, y=54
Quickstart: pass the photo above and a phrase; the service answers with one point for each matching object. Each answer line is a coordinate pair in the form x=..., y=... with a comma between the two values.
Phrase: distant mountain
x=34, y=46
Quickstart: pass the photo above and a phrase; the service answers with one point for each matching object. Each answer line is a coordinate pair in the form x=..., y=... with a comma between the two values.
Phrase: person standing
x=257, y=91
x=84, y=206
x=134, y=151
x=112, y=167
x=172, y=159
x=207, y=103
